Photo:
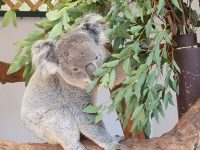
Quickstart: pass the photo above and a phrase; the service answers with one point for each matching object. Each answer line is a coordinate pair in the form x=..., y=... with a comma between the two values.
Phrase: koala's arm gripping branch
x=184, y=136
x=15, y=77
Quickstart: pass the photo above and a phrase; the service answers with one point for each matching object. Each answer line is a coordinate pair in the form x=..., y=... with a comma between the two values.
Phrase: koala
x=56, y=95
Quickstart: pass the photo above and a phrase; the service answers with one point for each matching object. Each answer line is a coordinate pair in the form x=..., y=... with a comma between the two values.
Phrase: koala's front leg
x=98, y=134
x=61, y=125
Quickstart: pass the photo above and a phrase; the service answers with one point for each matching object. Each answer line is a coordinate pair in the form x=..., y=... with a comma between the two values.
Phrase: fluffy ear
x=96, y=26
x=44, y=56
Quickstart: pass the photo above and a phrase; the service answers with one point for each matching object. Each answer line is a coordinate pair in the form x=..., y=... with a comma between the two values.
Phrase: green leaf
x=161, y=5
x=176, y=66
x=9, y=17
x=137, y=111
x=45, y=24
x=124, y=52
x=121, y=31
x=128, y=13
x=14, y=19
x=75, y=11
x=136, y=47
x=56, y=31
x=138, y=86
x=65, y=21
x=149, y=59
x=136, y=58
x=34, y=36
x=156, y=115
x=105, y=80
x=117, y=42
x=27, y=70
x=98, y=118
x=127, y=66
x=17, y=63
x=91, y=86
x=150, y=102
x=157, y=57
x=166, y=37
x=111, y=64
x=147, y=129
x=128, y=95
x=92, y=109
x=168, y=99
x=160, y=109
x=100, y=71
x=148, y=27
x=53, y=15
x=118, y=97
x=112, y=79
x=115, y=11
x=136, y=29
x=23, y=43
x=171, y=100
x=176, y=3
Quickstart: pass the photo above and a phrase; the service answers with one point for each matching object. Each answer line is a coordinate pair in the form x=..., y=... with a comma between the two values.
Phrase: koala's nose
x=90, y=68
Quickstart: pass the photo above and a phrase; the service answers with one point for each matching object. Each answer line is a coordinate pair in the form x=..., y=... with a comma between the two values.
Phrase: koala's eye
x=96, y=57
x=75, y=69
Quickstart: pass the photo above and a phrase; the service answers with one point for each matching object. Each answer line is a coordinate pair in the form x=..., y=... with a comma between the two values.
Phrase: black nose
x=90, y=68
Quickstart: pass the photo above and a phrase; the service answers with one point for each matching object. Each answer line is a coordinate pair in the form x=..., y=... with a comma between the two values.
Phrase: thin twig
x=179, y=21
x=183, y=16
x=190, y=13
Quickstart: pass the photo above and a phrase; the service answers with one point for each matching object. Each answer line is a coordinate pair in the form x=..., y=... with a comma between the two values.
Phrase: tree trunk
x=184, y=136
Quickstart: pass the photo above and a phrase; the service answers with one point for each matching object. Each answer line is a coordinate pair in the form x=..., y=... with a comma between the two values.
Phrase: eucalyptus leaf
x=56, y=30
x=176, y=3
x=112, y=79
x=92, y=109
x=92, y=85
x=53, y=15
x=137, y=111
x=127, y=66
x=9, y=17
x=98, y=118
x=161, y=5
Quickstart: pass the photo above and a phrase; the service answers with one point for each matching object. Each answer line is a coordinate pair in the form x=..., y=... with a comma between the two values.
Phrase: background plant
x=139, y=41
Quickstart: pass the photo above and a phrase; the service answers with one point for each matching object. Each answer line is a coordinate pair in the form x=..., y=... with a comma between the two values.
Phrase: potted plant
x=184, y=22
x=140, y=46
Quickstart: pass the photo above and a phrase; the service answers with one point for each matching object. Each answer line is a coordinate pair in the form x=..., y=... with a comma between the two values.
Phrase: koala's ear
x=44, y=56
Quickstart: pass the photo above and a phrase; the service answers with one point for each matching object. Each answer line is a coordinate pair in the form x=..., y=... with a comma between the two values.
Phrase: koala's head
x=74, y=57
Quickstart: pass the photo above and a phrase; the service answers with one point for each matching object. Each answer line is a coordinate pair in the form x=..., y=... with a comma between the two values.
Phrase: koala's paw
x=117, y=146
x=119, y=138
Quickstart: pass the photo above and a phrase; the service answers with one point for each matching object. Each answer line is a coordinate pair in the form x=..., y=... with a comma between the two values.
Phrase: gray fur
x=56, y=95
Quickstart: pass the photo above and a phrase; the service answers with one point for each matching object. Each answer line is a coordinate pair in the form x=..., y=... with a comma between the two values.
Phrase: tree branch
x=15, y=77
x=184, y=136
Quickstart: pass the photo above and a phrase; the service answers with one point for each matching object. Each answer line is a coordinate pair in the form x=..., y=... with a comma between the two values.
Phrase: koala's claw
x=119, y=138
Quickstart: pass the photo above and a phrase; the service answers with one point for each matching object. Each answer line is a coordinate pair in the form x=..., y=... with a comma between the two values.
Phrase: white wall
x=11, y=127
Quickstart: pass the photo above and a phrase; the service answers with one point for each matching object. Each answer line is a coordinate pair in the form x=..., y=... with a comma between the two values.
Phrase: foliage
x=182, y=18
x=139, y=42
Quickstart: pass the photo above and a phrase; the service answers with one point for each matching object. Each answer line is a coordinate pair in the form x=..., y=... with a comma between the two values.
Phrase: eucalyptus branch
x=183, y=17
x=174, y=14
x=190, y=14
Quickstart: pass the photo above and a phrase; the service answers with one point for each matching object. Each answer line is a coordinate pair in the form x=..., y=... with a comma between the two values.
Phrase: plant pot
x=187, y=55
